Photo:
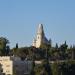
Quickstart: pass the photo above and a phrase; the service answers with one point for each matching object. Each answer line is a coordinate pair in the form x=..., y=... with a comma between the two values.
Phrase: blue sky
x=19, y=20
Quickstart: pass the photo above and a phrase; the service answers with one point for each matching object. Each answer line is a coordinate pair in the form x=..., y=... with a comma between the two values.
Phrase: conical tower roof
x=40, y=29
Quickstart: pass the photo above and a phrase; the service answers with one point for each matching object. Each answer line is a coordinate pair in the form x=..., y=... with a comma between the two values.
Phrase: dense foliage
x=63, y=52
x=4, y=48
x=63, y=57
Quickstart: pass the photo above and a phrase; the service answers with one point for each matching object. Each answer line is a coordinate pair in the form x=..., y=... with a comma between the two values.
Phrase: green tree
x=7, y=50
x=63, y=49
x=56, y=47
x=3, y=45
x=16, y=45
x=33, y=66
x=46, y=68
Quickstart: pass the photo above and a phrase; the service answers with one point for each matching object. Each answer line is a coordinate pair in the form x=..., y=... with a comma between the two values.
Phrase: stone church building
x=40, y=37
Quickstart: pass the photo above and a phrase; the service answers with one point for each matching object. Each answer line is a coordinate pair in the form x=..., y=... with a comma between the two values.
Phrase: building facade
x=14, y=65
x=7, y=65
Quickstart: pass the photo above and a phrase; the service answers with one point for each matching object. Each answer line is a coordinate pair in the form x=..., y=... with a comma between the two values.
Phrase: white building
x=40, y=37
x=7, y=65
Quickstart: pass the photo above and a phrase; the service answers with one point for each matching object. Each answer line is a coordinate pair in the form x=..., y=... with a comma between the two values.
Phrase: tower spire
x=40, y=37
x=40, y=29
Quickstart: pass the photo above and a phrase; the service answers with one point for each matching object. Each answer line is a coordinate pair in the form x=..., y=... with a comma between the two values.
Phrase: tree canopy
x=3, y=45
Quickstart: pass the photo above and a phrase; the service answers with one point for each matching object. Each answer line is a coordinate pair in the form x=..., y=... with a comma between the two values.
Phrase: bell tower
x=39, y=36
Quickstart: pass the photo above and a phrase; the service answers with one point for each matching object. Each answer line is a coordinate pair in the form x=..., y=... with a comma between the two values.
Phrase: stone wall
x=9, y=64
